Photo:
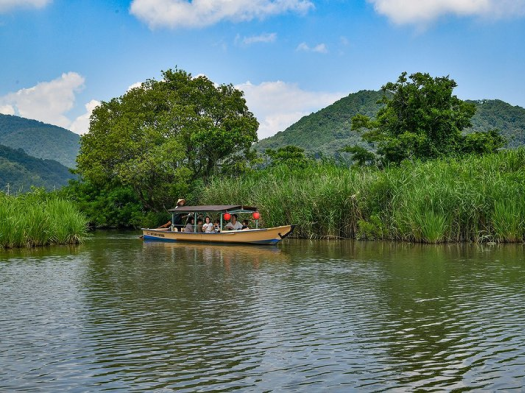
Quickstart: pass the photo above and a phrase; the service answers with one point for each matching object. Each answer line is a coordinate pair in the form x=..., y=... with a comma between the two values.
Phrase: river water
x=119, y=314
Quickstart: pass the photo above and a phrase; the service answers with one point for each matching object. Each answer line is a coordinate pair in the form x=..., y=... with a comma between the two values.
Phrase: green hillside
x=329, y=130
x=39, y=139
x=510, y=120
x=19, y=171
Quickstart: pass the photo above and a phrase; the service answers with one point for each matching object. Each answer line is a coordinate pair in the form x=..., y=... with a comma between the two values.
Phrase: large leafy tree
x=422, y=119
x=163, y=135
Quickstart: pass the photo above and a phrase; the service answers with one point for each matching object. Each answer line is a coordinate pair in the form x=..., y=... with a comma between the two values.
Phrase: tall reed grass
x=39, y=219
x=469, y=199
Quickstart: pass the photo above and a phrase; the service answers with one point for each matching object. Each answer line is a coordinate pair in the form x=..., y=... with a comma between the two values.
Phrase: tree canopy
x=291, y=156
x=422, y=119
x=160, y=136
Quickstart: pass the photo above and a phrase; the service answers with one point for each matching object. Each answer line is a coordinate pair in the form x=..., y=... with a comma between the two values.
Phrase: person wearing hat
x=176, y=225
x=177, y=218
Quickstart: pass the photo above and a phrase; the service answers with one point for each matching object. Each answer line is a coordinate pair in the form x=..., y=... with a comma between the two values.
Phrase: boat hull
x=251, y=236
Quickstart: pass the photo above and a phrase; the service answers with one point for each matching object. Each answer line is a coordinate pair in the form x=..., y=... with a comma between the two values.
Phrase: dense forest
x=39, y=140
x=19, y=171
x=327, y=131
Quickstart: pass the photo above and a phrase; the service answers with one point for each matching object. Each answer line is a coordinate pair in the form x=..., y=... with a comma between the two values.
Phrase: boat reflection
x=216, y=253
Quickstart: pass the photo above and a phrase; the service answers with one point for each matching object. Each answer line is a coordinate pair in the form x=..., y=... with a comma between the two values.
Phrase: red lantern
x=256, y=215
x=227, y=216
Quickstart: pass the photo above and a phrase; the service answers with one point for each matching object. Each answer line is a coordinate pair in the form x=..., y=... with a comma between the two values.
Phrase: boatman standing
x=178, y=217
x=176, y=225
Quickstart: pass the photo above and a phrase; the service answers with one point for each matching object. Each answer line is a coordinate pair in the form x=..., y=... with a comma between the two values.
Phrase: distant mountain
x=19, y=171
x=329, y=129
x=39, y=139
x=510, y=120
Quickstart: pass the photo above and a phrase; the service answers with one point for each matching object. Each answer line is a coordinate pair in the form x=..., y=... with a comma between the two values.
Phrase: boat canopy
x=214, y=208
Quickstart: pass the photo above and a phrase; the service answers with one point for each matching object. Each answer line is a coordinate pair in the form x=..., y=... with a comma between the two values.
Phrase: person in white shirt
x=233, y=224
x=207, y=227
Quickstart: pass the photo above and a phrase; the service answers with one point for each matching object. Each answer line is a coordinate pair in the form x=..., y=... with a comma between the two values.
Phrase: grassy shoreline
x=39, y=219
x=473, y=199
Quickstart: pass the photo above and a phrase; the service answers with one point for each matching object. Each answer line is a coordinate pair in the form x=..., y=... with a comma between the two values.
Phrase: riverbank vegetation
x=477, y=199
x=425, y=181
x=39, y=219
x=421, y=179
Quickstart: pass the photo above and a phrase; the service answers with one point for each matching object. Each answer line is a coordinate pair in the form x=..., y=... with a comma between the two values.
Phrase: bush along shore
x=474, y=199
x=39, y=219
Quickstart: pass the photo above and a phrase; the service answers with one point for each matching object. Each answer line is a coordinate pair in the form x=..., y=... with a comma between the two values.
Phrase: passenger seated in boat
x=199, y=224
x=233, y=224
x=189, y=225
x=207, y=227
x=217, y=226
x=245, y=224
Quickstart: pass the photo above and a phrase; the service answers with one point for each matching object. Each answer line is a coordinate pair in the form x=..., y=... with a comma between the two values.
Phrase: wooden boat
x=245, y=236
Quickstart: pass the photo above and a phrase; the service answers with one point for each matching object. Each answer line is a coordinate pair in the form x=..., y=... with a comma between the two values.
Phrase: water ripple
x=120, y=315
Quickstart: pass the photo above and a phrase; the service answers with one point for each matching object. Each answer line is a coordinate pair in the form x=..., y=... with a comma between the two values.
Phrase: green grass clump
x=451, y=200
x=39, y=219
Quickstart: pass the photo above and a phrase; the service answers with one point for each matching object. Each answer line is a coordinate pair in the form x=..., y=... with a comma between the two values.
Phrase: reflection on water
x=120, y=314
x=223, y=255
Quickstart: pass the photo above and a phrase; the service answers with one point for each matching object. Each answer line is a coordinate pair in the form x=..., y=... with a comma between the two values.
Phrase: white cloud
x=422, y=12
x=303, y=47
x=278, y=105
x=81, y=124
x=320, y=48
x=7, y=110
x=7, y=5
x=134, y=86
x=262, y=38
x=47, y=101
x=200, y=13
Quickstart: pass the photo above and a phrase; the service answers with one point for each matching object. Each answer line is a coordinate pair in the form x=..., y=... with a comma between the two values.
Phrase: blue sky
x=60, y=58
